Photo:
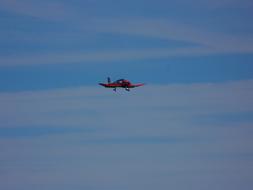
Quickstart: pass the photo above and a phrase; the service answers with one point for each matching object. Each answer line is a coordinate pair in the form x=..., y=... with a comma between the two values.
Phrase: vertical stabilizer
x=108, y=80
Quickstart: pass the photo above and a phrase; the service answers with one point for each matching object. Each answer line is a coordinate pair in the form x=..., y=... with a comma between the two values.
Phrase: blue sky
x=189, y=128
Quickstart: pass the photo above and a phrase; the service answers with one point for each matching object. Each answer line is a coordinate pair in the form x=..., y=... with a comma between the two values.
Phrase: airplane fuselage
x=121, y=83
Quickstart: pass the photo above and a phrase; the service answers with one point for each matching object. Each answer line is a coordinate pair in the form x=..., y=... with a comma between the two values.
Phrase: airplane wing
x=136, y=85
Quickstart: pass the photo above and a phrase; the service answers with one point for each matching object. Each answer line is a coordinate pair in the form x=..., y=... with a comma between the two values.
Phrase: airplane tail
x=108, y=80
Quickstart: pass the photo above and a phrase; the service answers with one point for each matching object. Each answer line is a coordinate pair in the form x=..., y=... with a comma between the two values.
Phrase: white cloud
x=151, y=137
x=216, y=4
x=49, y=10
x=101, y=56
x=167, y=30
x=154, y=137
x=205, y=43
x=77, y=106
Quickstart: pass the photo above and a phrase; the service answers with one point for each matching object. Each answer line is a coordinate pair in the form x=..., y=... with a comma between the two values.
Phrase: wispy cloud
x=169, y=30
x=204, y=43
x=82, y=106
x=209, y=4
x=101, y=56
x=154, y=134
x=191, y=136
x=48, y=10
x=204, y=40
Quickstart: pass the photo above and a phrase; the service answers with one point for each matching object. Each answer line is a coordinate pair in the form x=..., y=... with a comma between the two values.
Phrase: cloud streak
x=81, y=106
x=52, y=11
x=152, y=137
x=204, y=43
x=102, y=56
x=169, y=30
x=188, y=136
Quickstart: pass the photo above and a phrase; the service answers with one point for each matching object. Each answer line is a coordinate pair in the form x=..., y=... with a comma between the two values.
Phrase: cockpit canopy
x=120, y=81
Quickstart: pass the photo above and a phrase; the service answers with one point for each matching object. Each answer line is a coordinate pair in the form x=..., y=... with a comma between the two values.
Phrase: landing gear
x=114, y=89
x=127, y=89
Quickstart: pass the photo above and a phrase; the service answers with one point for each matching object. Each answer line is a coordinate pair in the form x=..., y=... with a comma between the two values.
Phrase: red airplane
x=121, y=83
